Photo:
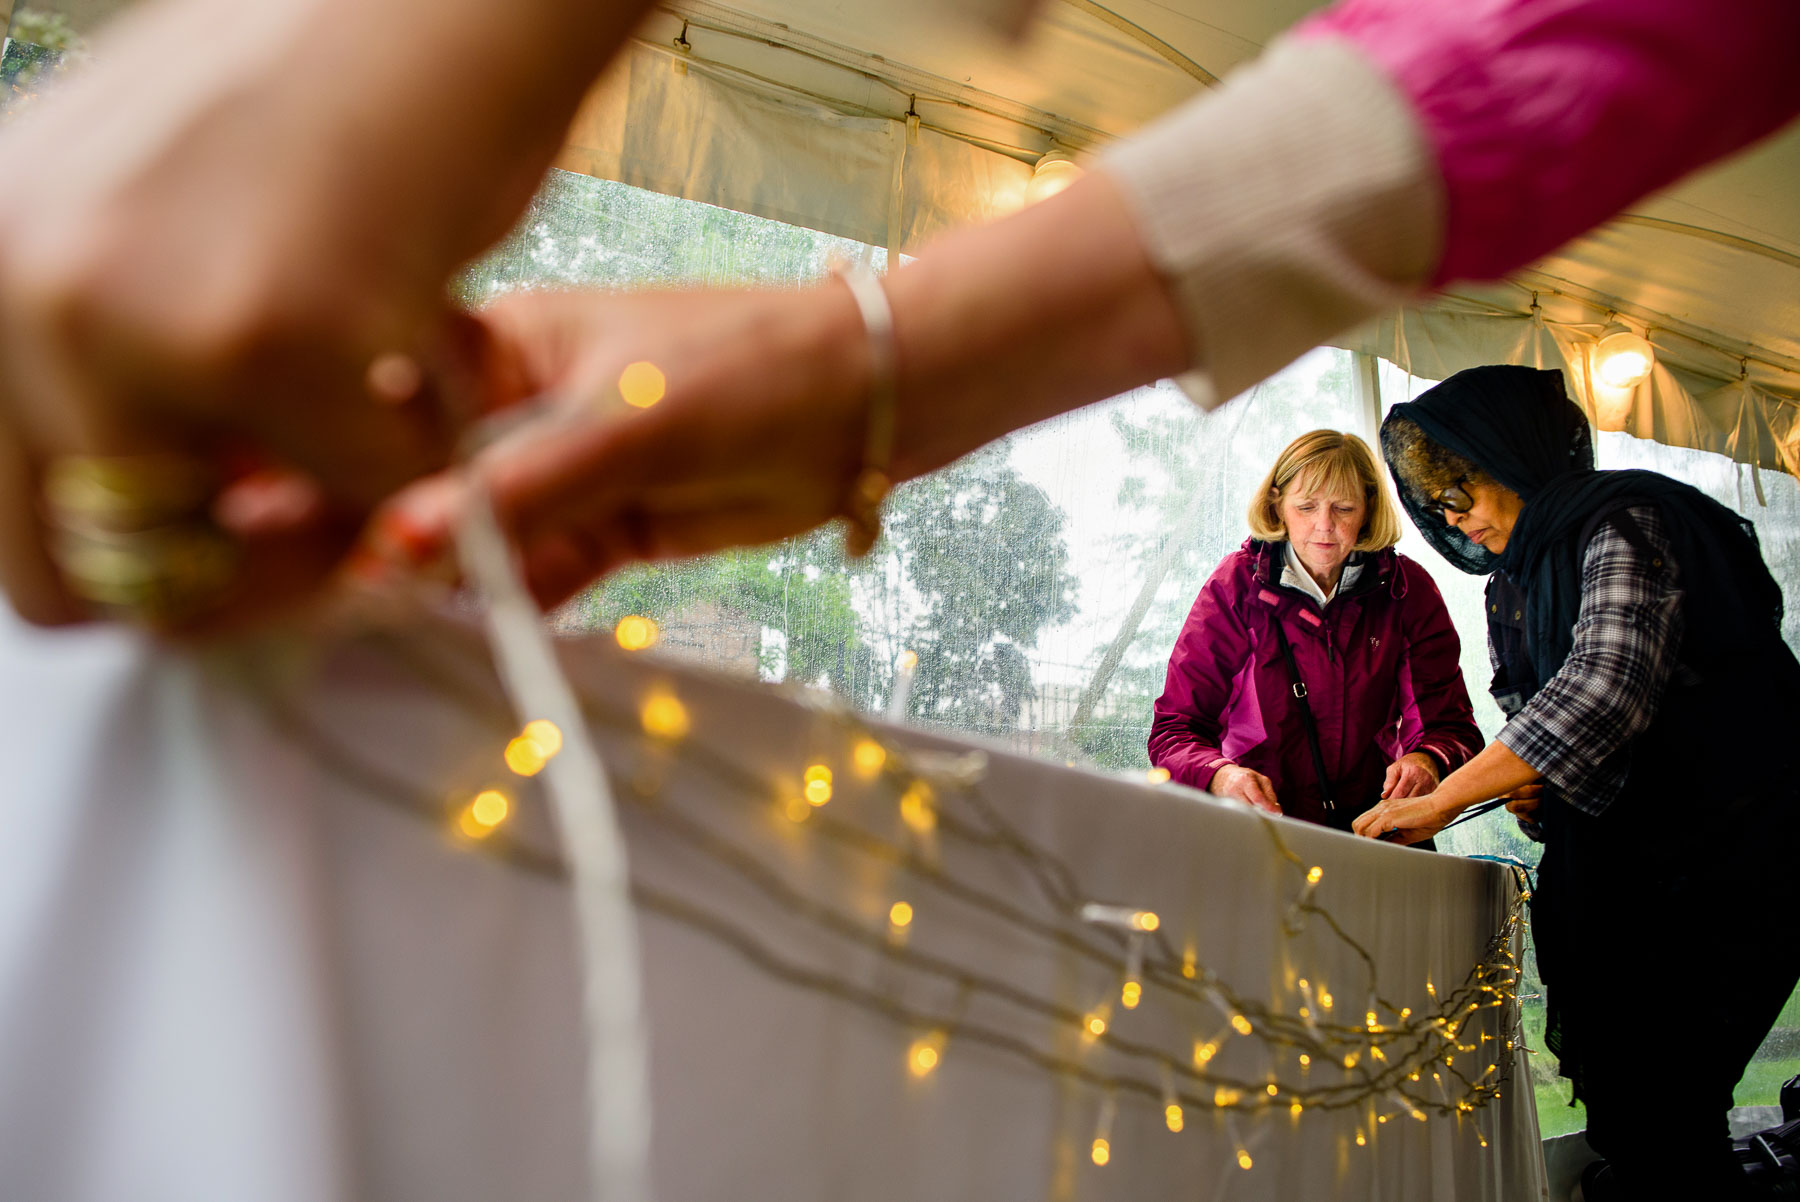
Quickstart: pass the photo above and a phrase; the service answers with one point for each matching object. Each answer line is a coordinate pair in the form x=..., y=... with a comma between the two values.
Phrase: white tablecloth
x=243, y=956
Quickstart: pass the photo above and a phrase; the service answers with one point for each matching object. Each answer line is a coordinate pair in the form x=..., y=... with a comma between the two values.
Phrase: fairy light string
x=1378, y=1055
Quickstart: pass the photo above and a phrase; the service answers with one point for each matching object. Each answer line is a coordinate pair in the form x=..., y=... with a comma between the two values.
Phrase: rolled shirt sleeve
x=1627, y=640
x=1389, y=146
x=1285, y=206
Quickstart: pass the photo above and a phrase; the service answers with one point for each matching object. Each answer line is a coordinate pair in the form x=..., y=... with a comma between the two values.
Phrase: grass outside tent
x=1761, y=1085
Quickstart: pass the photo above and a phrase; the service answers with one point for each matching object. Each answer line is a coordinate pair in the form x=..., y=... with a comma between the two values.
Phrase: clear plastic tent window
x=1010, y=575
x=1013, y=573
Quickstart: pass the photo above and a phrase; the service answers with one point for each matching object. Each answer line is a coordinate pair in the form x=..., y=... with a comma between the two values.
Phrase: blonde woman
x=1318, y=670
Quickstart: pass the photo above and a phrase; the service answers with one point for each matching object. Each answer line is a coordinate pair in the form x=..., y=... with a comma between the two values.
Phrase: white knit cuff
x=1292, y=202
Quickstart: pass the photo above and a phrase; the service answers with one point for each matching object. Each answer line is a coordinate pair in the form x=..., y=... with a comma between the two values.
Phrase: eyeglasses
x=1455, y=498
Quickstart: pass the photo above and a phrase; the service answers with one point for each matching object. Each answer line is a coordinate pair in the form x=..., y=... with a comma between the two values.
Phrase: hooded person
x=1651, y=705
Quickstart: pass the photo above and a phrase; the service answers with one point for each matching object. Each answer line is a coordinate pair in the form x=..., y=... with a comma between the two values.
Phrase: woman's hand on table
x=1246, y=785
x=1415, y=818
x=1410, y=775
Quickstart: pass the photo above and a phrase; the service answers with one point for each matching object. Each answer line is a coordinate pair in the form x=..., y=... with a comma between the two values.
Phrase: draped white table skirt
x=246, y=954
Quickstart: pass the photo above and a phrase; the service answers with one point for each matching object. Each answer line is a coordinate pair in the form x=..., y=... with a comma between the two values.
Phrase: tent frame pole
x=1365, y=383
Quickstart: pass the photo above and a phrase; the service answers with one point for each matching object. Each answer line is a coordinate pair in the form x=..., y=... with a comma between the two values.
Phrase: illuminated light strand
x=1275, y=1019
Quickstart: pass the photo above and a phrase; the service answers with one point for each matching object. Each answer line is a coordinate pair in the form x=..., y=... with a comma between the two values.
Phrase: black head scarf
x=1519, y=427
x=1515, y=423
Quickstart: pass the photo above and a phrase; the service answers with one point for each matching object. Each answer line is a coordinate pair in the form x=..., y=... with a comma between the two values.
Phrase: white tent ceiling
x=797, y=109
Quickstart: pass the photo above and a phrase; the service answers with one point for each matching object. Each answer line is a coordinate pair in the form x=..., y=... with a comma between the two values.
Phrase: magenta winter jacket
x=1380, y=665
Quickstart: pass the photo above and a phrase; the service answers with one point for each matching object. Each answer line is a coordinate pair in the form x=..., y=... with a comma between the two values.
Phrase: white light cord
x=605, y=931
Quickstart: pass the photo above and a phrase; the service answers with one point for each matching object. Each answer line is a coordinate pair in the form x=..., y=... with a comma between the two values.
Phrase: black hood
x=1516, y=424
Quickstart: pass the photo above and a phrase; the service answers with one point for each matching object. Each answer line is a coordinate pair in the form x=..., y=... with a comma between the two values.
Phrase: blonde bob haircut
x=1333, y=463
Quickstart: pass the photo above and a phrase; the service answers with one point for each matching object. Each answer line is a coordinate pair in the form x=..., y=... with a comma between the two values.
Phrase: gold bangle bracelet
x=862, y=506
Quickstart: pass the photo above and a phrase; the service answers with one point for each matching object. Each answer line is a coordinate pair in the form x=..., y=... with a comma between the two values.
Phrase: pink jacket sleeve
x=1549, y=116
x=1435, y=713
x=1214, y=645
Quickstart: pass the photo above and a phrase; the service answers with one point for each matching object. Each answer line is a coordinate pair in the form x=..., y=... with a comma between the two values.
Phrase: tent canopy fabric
x=890, y=123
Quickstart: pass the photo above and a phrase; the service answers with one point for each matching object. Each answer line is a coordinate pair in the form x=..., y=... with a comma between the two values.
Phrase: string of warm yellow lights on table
x=1392, y=1062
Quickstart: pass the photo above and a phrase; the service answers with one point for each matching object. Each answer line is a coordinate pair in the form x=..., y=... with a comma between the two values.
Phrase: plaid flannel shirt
x=1627, y=641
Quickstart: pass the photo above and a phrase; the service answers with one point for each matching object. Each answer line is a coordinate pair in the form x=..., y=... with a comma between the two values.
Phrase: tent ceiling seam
x=1786, y=258
x=904, y=81
x=1138, y=33
x=734, y=77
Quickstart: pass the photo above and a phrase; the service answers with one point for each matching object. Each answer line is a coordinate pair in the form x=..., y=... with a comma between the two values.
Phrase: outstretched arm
x=1346, y=171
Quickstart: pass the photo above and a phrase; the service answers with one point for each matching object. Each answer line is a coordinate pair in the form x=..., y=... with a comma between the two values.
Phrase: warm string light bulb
x=486, y=812
x=636, y=633
x=525, y=757
x=664, y=717
x=869, y=757
x=900, y=914
x=1241, y=1024
x=817, y=784
x=1132, y=992
x=1101, y=1150
x=1157, y=776
x=642, y=384
x=918, y=808
x=1172, y=1117
x=925, y=1054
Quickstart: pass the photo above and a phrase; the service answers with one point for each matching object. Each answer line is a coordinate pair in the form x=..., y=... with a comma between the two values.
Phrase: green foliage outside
x=977, y=614
x=51, y=31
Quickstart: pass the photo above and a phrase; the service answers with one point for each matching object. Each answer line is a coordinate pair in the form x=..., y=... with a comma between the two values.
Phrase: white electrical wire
x=587, y=820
